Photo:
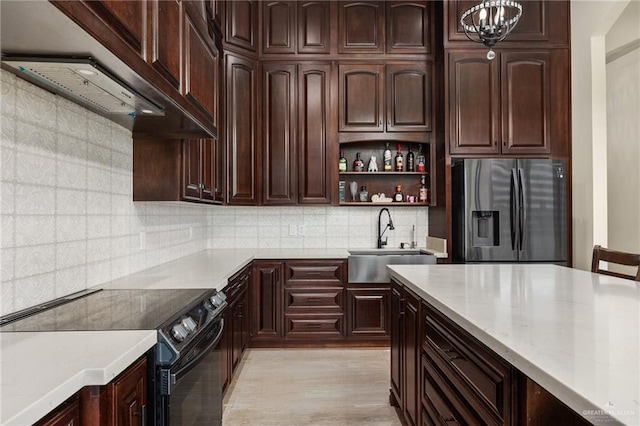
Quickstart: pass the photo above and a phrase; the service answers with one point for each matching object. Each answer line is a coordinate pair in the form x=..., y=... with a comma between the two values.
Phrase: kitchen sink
x=370, y=265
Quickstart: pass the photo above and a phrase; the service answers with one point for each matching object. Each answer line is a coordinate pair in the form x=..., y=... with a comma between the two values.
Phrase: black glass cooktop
x=112, y=310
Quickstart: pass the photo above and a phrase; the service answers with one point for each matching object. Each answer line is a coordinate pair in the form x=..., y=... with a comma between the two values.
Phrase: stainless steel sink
x=370, y=265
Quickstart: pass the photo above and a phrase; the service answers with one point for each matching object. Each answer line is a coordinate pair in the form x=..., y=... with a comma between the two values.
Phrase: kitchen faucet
x=389, y=225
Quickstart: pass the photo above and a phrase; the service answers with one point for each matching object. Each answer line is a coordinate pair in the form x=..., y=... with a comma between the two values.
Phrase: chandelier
x=490, y=21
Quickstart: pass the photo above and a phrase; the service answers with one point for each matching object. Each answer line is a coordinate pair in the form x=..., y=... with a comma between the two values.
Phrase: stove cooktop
x=112, y=310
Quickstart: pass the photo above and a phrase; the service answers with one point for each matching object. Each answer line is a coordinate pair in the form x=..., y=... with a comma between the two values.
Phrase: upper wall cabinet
x=165, y=51
x=362, y=92
x=409, y=27
x=126, y=18
x=516, y=104
x=242, y=24
x=279, y=27
x=313, y=26
x=542, y=21
x=361, y=27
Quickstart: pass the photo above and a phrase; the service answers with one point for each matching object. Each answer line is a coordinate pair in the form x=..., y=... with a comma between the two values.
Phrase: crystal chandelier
x=490, y=21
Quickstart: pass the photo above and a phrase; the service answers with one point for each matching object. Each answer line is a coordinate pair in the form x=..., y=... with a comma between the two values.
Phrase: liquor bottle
x=424, y=191
x=420, y=161
x=364, y=194
x=358, y=164
x=410, y=163
x=342, y=163
x=398, y=167
x=387, y=158
x=398, y=197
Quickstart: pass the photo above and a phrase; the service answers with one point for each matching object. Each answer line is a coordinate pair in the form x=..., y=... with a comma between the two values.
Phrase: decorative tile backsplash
x=68, y=222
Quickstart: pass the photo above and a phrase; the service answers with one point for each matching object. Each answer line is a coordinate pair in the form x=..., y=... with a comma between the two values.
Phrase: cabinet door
x=219, y=169
x=313, y=26
x=226, y=349
x=314, y=154
x=207, y=171
x=409, y=98
x=130, y=395
x=266, y=300
x=368, y=310
x=67, y=414
x=361, y=92
x=279, y=134
x=201, y=70
x=361, y=27
x=397, y=332
x=242, y=23
x=526, y=102
x=166, y=39
x=409, y=27
x=236, y=334
x=474, y=103
x=412, y=344
x=541, y=21
x=191, y=174
x=279, y=27
x=241, y=128
x=127, y=18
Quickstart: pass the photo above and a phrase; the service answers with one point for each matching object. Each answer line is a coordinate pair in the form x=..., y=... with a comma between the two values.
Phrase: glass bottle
x=387, y=158
x=399, y=158
x=410, y=162
x=420, y=160
x=364, y=194
x=358, y=164
x=424, y=191
x=342, y=163
x=398, y=197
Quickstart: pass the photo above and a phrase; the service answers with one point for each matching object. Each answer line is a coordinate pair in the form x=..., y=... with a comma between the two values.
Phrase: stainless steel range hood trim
x=84, y=81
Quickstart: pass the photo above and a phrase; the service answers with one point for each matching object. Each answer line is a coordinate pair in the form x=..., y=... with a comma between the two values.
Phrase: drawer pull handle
x=450, y=419
x=314, y=299
x=314, y=325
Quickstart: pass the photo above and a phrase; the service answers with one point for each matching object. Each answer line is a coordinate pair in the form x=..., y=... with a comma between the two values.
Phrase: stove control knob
x=218, y=299
x=179, y=333
x=189, y=324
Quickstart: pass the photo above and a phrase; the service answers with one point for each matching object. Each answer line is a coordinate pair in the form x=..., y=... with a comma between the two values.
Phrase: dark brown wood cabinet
x=406, y=342
x=199, y=170
x=266, y=302
x=410, y=27
x=542, y=22
x=126, y=18
x=279, y=27
x=237, y=333
x=165, y=39
x=66, y=414
x=408, y=106
x=368, y=308
x=513, y=105
x=241, y=24
x=241, y=130
x=129, y=395
x=295, y=138
x=361, y=27
x=314, y=20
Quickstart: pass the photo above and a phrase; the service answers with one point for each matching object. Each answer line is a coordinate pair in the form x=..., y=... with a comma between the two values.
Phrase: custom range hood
x=85, y=82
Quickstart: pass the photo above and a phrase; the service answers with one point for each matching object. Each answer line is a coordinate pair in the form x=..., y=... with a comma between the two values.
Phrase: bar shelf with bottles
x=385, y=182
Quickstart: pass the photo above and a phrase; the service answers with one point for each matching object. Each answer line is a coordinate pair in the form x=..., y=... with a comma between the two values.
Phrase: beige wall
x=623, y=131
x=590, y=22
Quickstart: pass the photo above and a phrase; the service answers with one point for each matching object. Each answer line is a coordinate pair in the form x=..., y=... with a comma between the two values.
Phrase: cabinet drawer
x=329, y=273
x=314, y=325
x=316, y=299
x=483, y=377
x=440, y=401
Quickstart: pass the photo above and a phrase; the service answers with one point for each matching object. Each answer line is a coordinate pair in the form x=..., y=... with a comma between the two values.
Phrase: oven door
x=194, y=389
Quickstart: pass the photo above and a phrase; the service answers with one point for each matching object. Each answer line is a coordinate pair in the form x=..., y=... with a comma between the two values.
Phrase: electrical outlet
x=143, y=240
x=293, y=230
x=300, y=229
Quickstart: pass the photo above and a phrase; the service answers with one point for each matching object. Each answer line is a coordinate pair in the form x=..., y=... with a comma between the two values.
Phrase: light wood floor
x=311, y=387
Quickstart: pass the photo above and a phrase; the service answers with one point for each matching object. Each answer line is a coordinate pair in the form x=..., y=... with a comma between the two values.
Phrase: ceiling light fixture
x=490, y=21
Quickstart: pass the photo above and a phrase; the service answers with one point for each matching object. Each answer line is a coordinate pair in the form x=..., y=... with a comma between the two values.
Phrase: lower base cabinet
x=67, y=414
x=236, y=334
x=368, y=312
x=441, y=375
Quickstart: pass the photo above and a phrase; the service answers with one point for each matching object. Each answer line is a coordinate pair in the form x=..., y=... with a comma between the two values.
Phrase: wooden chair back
x=614, y=256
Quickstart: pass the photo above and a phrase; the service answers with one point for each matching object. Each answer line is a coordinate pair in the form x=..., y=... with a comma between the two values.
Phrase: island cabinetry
x=406, y=342
x=266, y=303
x=516, y=104
x=463, y=382
x=314, y=299
x=296, y=137
x=66, y=414
x=368, y=309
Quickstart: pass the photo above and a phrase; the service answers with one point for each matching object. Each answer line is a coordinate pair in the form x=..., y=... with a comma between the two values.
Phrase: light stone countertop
x=41, y=370
x=575, y=333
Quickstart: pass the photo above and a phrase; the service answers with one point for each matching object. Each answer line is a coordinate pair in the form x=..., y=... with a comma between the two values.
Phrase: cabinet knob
x=389, y=122
x=504, y=143
x=495, y=143
x=380, y=124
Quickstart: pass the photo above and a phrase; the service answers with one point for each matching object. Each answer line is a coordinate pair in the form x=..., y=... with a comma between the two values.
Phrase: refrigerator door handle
x=523, y=210
x=512, y=208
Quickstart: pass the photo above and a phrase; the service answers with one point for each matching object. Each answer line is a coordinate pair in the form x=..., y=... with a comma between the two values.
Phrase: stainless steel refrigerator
x=509, y=210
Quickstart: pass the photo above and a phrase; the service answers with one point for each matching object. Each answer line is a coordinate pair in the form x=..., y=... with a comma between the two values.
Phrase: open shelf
x=383, y=173
x=370, y=203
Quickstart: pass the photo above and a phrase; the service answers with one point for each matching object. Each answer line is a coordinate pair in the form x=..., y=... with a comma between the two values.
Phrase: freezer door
x=543, y=213
x=489, y=225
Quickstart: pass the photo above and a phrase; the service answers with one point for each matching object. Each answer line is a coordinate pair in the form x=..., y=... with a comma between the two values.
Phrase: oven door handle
x=192, y=363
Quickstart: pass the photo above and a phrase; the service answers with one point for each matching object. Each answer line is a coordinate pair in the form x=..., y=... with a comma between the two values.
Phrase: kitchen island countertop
x=575, y=333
